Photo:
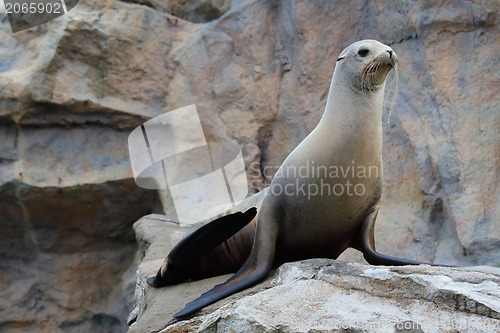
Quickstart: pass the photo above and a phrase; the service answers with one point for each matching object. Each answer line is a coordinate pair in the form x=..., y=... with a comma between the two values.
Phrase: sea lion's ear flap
x=340, y=58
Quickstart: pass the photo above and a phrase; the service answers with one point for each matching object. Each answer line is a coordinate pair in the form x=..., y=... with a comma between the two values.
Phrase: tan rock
x=319, y=295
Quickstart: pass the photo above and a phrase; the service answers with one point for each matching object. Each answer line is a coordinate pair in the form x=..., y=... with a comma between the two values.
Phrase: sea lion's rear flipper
x=253, y=271
x=367, y=245
x=193, y=247
x=209, y=236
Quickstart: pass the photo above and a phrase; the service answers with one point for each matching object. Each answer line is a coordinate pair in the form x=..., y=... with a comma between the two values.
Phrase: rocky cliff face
x=72, y=90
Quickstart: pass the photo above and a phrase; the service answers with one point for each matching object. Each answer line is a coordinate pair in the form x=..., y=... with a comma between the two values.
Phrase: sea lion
x=323, y=199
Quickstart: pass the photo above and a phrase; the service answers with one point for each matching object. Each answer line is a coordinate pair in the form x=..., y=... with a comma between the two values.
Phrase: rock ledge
x=320, y=295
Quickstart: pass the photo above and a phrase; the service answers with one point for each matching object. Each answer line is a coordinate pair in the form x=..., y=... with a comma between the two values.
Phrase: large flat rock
x=318, y=295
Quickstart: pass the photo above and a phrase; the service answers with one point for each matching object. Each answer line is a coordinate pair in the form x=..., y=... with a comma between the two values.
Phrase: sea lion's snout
x=377, y=67
x=391, y=58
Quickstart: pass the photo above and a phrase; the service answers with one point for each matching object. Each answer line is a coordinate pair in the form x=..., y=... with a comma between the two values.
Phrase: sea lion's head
x=365, y=64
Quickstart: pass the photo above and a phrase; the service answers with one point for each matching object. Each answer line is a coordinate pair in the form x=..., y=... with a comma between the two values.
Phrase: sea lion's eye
x=363, y=52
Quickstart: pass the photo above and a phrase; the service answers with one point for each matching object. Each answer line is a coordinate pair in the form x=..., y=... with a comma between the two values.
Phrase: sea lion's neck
x=347, y=101
x=354, y=116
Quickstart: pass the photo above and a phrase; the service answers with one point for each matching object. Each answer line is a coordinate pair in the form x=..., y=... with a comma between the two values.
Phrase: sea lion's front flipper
x=193, y=247
x=367, y=245
x=253, y=271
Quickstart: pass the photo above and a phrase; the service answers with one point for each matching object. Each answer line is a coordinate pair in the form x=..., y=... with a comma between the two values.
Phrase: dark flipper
x=255, y=269
x=243, y=279
x=375, y=258
x=209, y=236
x=368, y=246
x=193, y=247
